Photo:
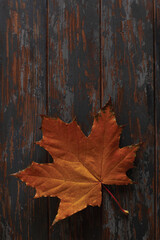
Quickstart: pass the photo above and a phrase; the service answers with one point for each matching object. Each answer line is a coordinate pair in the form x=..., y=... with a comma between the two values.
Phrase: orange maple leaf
x=81, y=164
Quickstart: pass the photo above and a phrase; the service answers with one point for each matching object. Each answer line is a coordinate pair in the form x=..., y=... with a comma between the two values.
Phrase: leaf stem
x=123, y=210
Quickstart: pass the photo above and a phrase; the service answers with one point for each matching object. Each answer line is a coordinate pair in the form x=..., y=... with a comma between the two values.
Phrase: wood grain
x=60, y=57
x=23, y=98
x=156, y=45
x=127, y=73
x=74, y=90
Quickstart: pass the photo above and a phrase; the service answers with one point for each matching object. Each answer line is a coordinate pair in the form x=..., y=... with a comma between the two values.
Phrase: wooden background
x=65, y=58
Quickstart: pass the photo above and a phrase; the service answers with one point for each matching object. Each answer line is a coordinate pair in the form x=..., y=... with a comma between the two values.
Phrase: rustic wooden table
x=66, y=58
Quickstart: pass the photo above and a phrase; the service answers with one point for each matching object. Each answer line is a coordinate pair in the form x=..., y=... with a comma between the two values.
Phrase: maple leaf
x=81, y=164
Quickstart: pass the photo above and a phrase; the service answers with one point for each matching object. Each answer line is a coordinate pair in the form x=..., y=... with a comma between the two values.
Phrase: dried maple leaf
x=81, y=164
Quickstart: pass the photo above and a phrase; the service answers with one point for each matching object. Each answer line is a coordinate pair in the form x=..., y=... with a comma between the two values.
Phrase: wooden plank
x=127, y=73
x=157, y=113
x=74, y=90
x=23, y=98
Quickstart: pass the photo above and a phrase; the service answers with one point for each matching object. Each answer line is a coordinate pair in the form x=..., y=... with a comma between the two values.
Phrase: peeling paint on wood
x=74, y=89
x=60, y=57
x=22, y=86
x=127, y=52
x=157, y=114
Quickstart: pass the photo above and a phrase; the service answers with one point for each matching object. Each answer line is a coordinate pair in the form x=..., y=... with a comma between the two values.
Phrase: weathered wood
x=23, y=98
x=71, y=48
x=74, y=90
x=157, y=113
x=127, y=73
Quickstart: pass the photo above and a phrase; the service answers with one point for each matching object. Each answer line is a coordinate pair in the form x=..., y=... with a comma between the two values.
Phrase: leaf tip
x=109, y=103
x=17, y=174
x=13, y=174
x=38, y=143
x=53, y=223
x=36, y=196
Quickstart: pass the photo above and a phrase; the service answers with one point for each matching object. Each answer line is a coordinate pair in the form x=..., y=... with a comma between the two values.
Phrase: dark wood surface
x=65, y=59
x=74, y=89
x=156, y=45
x=127, y=72
x=23, y=98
